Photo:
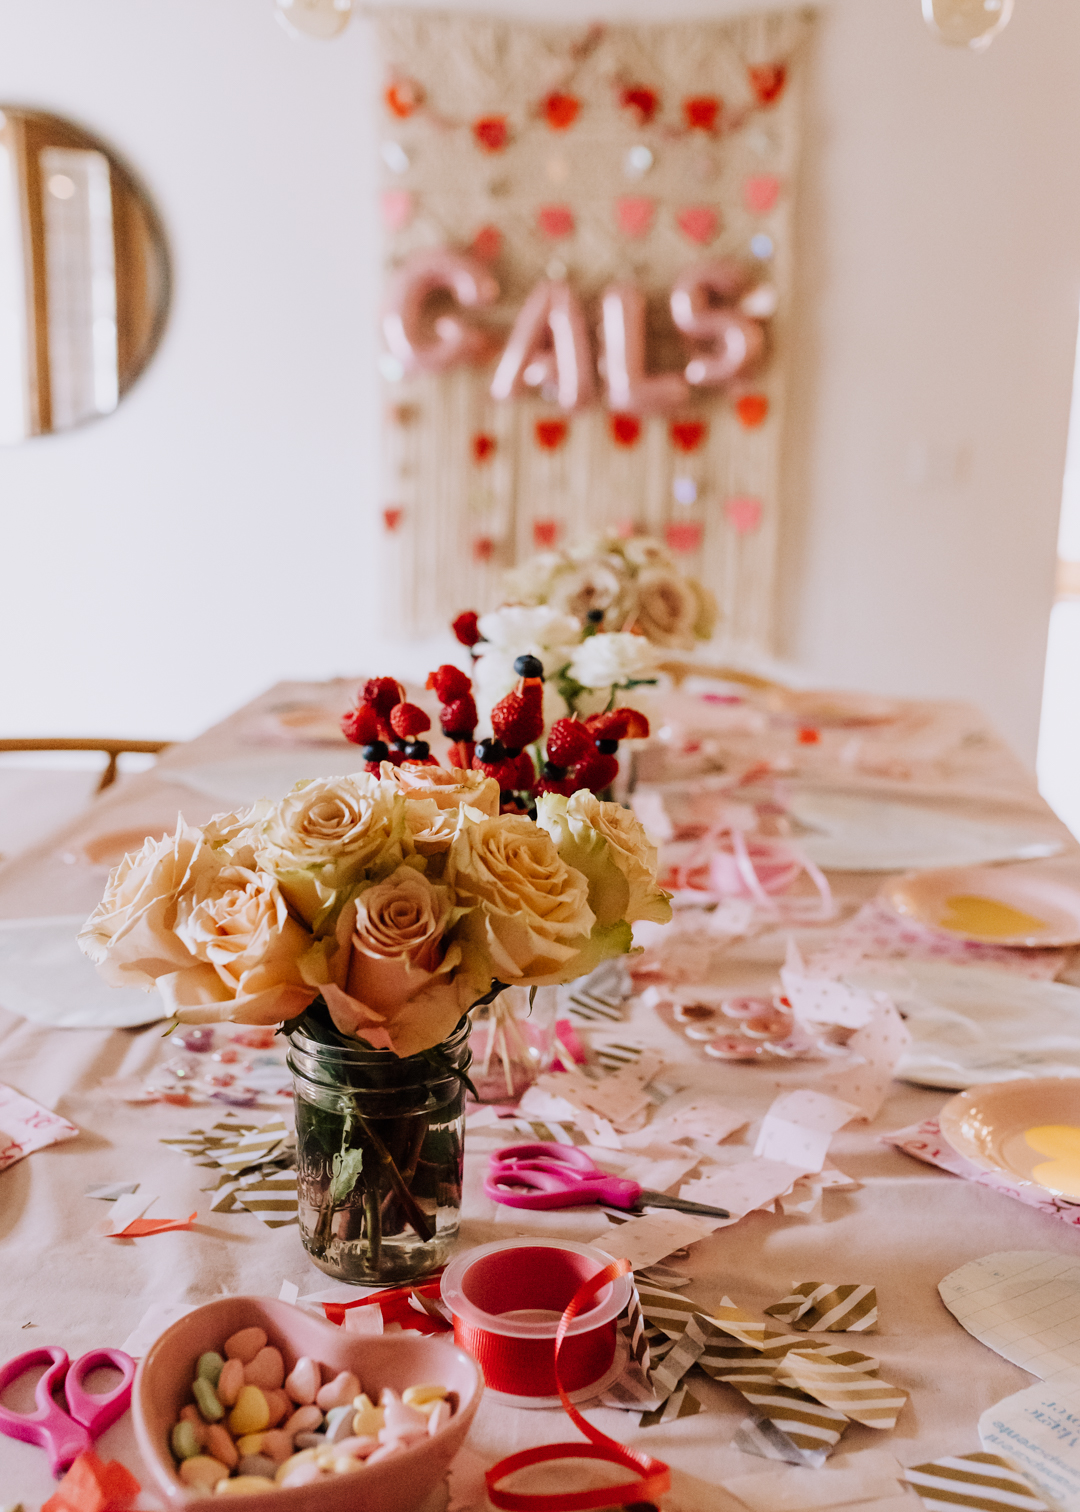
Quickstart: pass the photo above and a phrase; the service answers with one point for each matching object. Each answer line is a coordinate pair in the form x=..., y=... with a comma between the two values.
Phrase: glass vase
x=513, y=1042
x=379, y=1140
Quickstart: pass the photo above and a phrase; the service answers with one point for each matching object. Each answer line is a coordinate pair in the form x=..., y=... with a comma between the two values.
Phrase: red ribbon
x=651, y=1476
x=395, y=1307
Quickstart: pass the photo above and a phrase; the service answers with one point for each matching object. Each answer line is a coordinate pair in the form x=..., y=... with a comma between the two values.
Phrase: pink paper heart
x=397, y=208
x=683, y=535
x=699, y=223
x=634, y=214
x=556, y=220
x=743, y=513
x=761, y=192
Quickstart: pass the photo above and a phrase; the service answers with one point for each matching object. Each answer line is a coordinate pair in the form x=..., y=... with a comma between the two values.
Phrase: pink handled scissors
x=558, y=1175
x=66, y=1435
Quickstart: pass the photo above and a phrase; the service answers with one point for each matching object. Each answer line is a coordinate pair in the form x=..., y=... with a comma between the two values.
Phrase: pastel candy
x=279, y=1405
x=210, y=1366
x=359, y=1448
x=303, y=1420
x=303, y=1475
x=384, y=1451
x=267, y=1369
x=310, y=1441
x=229, y=1382
x=191, y=1414
x=304, y=1380
x=368, y=1419
x=440, y=1417
x=258, y=1464
x=243, y=1485
x=398, y=1418
x=251, y=1443
x=184, y=1440
x=306, y=1457
x=251, y=1414
x=219, y=1443
x=339, y=1391
x=277, y=1445
x=402, y=1440
x=245, y=1345
x=339, y=1424
x=207, y=1398
x=416, y=1396
x=202, y=1471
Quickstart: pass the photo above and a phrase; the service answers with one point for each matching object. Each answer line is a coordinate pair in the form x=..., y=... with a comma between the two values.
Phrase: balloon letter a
x=425, y=345
x=629, y=388
x=548, y=344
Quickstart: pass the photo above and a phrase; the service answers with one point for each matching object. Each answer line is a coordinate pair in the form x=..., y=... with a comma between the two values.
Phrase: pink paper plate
x=957, y=899
x=401, y=1483
x=1026, y=1130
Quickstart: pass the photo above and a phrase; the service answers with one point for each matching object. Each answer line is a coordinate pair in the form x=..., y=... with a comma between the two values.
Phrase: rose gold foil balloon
x=704, y=302
x=629, y=388
x=425, y=345
x=967, y=23
x=549, y=344
x=315, y=18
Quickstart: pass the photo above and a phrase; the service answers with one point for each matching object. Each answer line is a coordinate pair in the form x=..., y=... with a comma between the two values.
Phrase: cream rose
x=708, y=613
x=646, y=551
x=613, y=660
x=528, y=917
x=667, y=607
x=594, y=587
x=328, y=835
x=608, y=845
x=244, y=952
x=447, y=787
x=238, y=833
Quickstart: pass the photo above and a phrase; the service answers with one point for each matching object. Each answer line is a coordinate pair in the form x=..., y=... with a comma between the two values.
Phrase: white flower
x=605, y=661
x=518, y=628
x=646, y=551
x=596, y=586
x=529, y=583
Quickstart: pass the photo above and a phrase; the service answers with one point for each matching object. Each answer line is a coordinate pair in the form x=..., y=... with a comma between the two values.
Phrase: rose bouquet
x=369, y=913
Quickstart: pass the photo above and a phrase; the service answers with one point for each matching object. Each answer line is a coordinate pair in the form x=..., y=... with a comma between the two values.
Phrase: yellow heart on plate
x=969, y=914
x=1062, y=1174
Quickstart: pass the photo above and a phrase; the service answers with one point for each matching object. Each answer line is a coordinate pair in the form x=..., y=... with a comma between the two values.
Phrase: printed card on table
x=26, y=1126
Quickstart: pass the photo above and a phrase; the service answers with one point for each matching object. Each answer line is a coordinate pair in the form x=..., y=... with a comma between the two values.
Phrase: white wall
x=220, y=530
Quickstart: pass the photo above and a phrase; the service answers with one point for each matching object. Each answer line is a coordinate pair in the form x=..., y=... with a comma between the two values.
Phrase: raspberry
x=360, y=725
x=466, y=629
x=449, y=682
x=459, y=718
x=569, y=741
x=383, y=693
x=407, y=721
x=597, y=772
x=518, y=718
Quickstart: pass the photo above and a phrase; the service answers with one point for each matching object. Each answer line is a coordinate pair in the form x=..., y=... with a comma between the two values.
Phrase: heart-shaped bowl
x=400, y=1483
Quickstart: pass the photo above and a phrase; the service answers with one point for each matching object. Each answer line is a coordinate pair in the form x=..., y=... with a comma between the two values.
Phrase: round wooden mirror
x=84, y=276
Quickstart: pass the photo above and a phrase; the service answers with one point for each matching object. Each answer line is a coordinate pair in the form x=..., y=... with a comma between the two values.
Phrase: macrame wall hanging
x=592, y=223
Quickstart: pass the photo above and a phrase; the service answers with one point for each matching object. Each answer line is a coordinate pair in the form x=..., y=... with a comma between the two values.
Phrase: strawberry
x=565, y=785
x=459, y=718
x=449, y=682
x=518, y=718
x=466, y=629
x=597, y=771
x=407, y=721
x=382, y=693
x=568, y=741
x=526, y=774
x=360, y=725
x=618, y=724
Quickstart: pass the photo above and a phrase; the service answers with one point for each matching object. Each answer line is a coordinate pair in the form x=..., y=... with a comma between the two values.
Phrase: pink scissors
x=558, y=1175
x=66, y=1435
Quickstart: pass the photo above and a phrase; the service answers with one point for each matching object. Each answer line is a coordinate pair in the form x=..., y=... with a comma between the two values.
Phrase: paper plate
x=823, y=707
x=999, y=905
x=316, y=723
x=1027, y=1130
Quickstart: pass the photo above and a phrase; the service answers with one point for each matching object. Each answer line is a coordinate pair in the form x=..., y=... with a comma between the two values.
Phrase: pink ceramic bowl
x=399, y=1484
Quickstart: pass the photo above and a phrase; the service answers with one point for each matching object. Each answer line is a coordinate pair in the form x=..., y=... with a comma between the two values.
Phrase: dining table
x=898, y=1224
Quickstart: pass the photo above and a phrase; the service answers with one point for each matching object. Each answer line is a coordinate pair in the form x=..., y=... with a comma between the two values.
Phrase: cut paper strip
x=1038, y=1429
x=26, y=1126
x=682, y=1403
x=876, y=1050
x=868, y=1400
x=611, y=1056
x=871, y=1476
x=743, y=1187
x=366, y=1321
x=110, y=1191
x=255, y=1147
x=153, y=1323
x=659, y=1169
x=708, y=1121
x=271, y=1196
x=812, y=1426
x=141, y=1228
x=799, y=1126
x=289, y=1292
x=1024, y=1304
x=983, y=1481
x=668, y=1372
x=668, y=1311
x=821, y=1307
x=126, y=1209
x=643, y=1241
x=820, y=1000
x=757, y=1435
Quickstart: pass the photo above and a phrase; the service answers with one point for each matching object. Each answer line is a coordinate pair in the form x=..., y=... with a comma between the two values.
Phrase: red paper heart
x=699, y=223
x=751, y=410
x=403, y=97
x=683, y=535
x=634, y=214
x=624, y=529
x=561, y=111
x=688, y=435
x=483, y=548
x=487, y=243
x=491, y=133
x=744, y=513
x=625, y=429
x=643, y=101
x=550, y=434
x=701, y=112
x=760, y=192
x=397, y=208
x=393, y=517
x=483, y=446
x=767, y=82
x=555, y=220
x=545, y=532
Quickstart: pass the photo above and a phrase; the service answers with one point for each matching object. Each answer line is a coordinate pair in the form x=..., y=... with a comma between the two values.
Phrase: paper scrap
x=811, y=1426
x=758, y=1435
x=26, y=1126
x=658, y=1169
x=366, y=1321
x=1025, y=1304
x=153, y=1323
x=872, y=1475
x=109, y=1191
x=865, y=1398
x=708, y=1121
x=643, y=1241
x=743, y=1187
x=681, y=1403
x=141, y=1228
x=875, y=1050
x=1039, y=1429
x=803, y=1201
x=983, y=1481
x=799, y=1126
x=823, y=1000
x=289, y=1292
x=125, y=1210
x=822, y=1307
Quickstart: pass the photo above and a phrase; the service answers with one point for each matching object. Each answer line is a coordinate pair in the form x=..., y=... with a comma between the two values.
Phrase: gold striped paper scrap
x=822, y=1307
x=680, y=1404
x=863, y=1397
x=255, y=1147
x=810, y=1425
x=984, y=1481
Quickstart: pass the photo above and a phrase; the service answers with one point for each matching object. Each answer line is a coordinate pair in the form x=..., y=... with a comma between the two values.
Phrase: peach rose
x=607, y=844
x=447, y=787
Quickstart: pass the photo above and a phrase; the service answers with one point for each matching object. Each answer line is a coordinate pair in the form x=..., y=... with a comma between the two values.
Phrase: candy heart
x=760, y=192
x=245, y=1345
x=699, y=223
x=219, y=1445
x=634, y=214
x=640, y=99
x=267, y=1369
x=339, y=1392
x=397, y=208
x=683, y=535
x=400, y=1420
x=304, y=1381
x=701, y=112
x=440, y=1416
x=279, y=1404
x=555, y=221
x=561, y=111
x=230, y=1381
x=303, y=1420
x=744, y=514
x=491, y=133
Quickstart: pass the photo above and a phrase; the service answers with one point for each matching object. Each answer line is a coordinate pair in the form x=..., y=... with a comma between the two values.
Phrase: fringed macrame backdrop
x=472, y=486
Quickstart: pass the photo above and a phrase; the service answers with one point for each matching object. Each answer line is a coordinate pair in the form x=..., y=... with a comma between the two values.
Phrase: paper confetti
x=126, y=1220
x=799, y=1126
x=257, y=1168
x=876, y=1050
x=289, y=1292
x=680, y=1404
x=983, y=1481
x=109, y=1191
x=600, y=997
x=757, y=1435
x=865, y=1398
x=744, y=1187
x=708, y=1121
x=26, y=1126
x=821, y=1307
x=643, y=1241
x=821, y=999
